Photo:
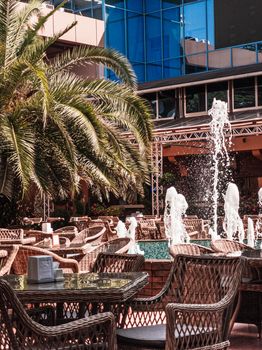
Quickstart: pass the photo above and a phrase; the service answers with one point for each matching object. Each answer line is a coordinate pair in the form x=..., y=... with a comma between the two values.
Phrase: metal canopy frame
x=201, y=132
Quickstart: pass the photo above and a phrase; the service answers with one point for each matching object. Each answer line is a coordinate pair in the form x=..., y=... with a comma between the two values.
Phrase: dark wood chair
x=20, y=331
x=112, y=262
x=192, y=311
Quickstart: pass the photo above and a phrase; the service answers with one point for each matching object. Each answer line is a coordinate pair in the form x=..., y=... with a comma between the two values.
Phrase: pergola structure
x=177, y=135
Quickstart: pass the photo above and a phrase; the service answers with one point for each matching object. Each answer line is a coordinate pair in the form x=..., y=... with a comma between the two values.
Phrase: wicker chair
x=19, y=331
x=189, y=249
x=227, y=246
x=14, y=236
x=203, y=289
x=93, y=235
x=19, y=265
x=119, y=245
x=6, y=261
x=113, y=262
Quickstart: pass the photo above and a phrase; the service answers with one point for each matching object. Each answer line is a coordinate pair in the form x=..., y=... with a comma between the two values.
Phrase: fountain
x=175, y=208
x=218, y=126
x=250, y=233
x=233, y=225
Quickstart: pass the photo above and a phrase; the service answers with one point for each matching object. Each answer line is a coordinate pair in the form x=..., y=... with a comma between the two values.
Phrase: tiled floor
x=245, y=337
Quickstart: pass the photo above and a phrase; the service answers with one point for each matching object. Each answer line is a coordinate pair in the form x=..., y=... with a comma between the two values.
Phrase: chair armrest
x=95, y=329
x=209, y=323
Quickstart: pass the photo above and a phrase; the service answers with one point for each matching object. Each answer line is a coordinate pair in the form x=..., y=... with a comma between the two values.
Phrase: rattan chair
x=119, y=245
x=19, y=331
x=189, y=249
x=192, y=311
x=14, y=236
x=20, y=263
x=93, y=235
x=113, y=262
x=227, y=246
x=6, y=261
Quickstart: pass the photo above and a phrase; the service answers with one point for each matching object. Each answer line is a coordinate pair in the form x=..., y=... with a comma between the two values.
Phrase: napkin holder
x=40, y=269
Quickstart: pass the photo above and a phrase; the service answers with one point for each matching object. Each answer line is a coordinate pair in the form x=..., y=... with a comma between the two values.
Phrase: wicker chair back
x=111, y=262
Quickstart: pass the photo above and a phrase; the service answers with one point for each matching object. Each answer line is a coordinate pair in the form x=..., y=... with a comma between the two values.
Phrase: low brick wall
x=158, y=271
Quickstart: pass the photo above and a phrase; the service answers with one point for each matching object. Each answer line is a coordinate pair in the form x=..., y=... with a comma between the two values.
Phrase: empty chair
x=113, y=262
x=227, y=246
x=92, y=235
x=118, y=245
x=6, y=259
x=193, y=309
x=189, y=249
x=14, y=236
x=19, y=331
x=20, y=263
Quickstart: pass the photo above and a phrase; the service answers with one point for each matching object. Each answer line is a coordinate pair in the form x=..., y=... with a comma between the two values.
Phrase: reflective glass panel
x=244, y=93
x=171, y=33
x=195, y=63
x=152, y=99
x=173, y=67
x=115, y=33
x=134, y=5
x=135, y=37
x=152, y=5
x=244, y=55
x=210, y=25
x=154, y=71
x=218, y=91
x=195, y=99
x=259, y=52
x=259, y=90
x=171, y=3
x=140, y=71
x=116, y=3
x=153, y=38
x=167, y=104
x=195, y=27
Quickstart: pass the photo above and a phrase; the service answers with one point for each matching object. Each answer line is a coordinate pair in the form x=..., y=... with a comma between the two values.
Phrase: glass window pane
x=135, y=37
x=153, y=35
x=167, y=104
x=244, y=55
x=195, y=27
x=140, y=72
x=151, y=98
x=134, y=5
x=259, y=52
x=244, y=93
x=195, y=99
x=170, y=3
x=218, y=91
x=116, y=3
x=154, y=71
x=152, y=5
x=259, y=90
x=171, y=33
x=210, y=25
x=115, y=34
x=173, y=68
x=196, y=63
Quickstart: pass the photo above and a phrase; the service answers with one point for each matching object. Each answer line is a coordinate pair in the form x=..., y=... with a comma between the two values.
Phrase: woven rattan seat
x=228, y=246
x=189, y=249
x=113, y=262
x=197, y=296
x=19, y=331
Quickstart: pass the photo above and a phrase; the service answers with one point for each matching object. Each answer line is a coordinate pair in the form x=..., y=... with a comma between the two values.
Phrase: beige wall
x=88, y=31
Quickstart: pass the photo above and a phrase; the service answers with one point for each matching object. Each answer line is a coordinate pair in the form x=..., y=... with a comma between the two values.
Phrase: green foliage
x=168, y=179
x=57, y=128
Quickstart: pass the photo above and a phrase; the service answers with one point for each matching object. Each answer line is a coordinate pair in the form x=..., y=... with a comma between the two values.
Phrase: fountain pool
x=158, y=249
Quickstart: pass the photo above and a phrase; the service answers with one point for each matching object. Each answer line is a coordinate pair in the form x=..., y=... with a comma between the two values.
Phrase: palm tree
x=56, y=127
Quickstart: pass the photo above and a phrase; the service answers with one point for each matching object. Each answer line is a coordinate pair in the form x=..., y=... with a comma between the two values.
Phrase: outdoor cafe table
x=84, y=287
